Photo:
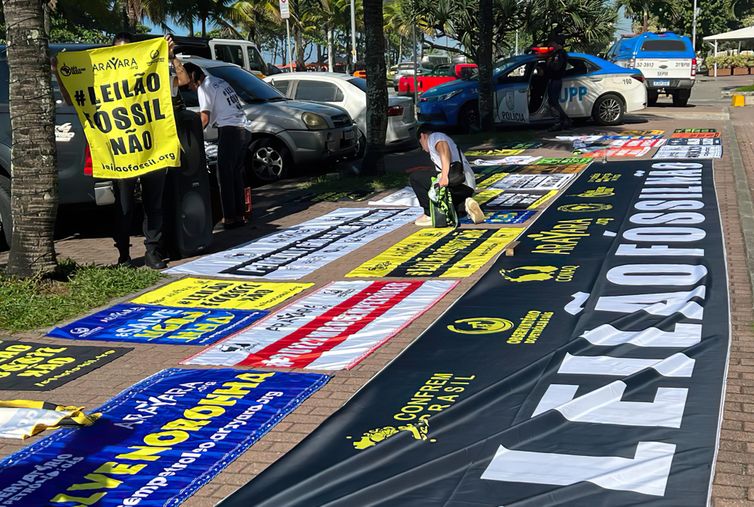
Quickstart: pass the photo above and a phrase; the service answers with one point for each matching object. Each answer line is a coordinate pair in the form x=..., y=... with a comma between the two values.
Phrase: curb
x=743, y=199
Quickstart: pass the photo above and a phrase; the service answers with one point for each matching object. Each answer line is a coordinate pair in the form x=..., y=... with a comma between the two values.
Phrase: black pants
x=421, y=181
x=152, y=187
x=553, y=99
x=233, y=143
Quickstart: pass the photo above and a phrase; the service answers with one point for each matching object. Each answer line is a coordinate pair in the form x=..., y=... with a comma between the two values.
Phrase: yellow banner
x=227, y=294
x=491, y=180
x=488, y=195
x=494, y=152
x=26, y=418
x=439, y=253
x=122, y=98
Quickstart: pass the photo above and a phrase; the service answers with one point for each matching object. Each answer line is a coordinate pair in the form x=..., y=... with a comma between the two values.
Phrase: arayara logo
x=115, y=64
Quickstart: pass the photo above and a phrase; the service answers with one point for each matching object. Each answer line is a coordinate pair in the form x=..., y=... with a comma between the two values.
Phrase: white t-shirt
x=455, y=154
x=219, y=99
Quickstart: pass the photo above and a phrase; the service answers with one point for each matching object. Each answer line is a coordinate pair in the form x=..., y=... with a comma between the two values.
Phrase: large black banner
x=585, y=370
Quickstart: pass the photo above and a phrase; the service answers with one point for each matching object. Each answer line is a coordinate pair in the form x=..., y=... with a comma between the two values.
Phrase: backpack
x=441, y=208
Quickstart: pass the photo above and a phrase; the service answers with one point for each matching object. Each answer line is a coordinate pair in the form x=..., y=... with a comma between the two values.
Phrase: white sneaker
x=423, y=221
x=474, y=211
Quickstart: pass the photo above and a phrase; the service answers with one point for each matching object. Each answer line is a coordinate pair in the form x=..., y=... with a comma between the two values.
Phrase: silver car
x=285, y=133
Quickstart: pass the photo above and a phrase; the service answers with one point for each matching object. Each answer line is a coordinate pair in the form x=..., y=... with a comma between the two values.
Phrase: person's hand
x=171, y=46
x=54, y=63
x=443, y=181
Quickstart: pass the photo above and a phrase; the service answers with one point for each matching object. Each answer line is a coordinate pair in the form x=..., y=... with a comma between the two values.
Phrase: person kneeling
x=452, y=170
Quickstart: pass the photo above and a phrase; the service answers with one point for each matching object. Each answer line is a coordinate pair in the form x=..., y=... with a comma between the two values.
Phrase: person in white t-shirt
x=219, y=105
x=444, y=152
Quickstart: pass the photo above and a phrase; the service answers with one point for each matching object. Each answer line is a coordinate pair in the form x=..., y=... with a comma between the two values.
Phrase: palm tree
x=250, y=16
x=639, y=9
x=374, y=36
x=484, y=62
x=34, y=194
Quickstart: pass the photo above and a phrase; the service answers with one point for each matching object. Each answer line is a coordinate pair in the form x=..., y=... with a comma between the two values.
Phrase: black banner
x=585, y=370
x=28, y=366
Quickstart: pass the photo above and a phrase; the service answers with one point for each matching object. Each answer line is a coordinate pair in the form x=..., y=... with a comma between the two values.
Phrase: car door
x=319, y=91
x=582, y=85
x=512, y=95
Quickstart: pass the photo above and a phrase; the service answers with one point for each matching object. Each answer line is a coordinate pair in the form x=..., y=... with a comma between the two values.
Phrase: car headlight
x=449, y=95
x=314, y=121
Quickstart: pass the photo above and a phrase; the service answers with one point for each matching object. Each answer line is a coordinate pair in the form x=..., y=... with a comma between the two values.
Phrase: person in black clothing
x=555, y=67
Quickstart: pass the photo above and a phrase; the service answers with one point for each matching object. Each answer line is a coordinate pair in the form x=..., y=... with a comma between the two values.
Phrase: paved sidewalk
x=734, y=478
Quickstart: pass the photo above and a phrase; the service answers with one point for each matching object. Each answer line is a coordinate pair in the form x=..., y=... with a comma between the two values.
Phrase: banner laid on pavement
x=297, y=251
x=445, y=253
x=638, y=143
x=226, y=294
x=619, y=152
x=685, y=141
x=403, y=197
x=333, y=328
x=26, y=418
x=697, y=134
x=694, y=131
x=585, y=370
x=503, y=217
x=689, y=151
x=532, y=181
x=512, y=160
x=128, y=322
x=122, y=98
x=29, y=366
x=156, y=442
x=494, y=199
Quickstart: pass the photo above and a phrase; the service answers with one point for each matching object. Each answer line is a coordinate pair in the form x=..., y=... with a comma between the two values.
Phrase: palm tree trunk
x=204, y=27
x=645, y=22
x=484, y=61
x=377, y=100
x=34, y=192
x=329, y=48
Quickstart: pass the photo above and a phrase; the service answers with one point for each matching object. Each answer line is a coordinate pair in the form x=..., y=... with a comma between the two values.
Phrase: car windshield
x=501, y=66
x=248, y=87
x=359, y=83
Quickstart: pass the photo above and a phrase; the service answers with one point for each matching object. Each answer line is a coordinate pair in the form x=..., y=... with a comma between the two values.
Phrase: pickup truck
x=441, y=74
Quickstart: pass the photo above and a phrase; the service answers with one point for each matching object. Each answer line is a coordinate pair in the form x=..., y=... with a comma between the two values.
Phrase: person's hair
x=556, y=38
x=122, y=37
x=424, y=129
x=194, y=71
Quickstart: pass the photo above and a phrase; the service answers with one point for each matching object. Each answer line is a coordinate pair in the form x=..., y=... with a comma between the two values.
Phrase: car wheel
x=608, y=110
x=681, y=98
x=269, y=160
x=5, y=219
x=652, y=96
x=468, y=118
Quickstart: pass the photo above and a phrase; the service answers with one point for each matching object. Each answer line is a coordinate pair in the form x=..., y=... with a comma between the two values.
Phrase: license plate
x=661, y=83
x=348, y=134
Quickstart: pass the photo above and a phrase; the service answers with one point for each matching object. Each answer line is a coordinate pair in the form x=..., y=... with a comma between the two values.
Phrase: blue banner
x=134, y=323
x=503, y=217
x=157, y=442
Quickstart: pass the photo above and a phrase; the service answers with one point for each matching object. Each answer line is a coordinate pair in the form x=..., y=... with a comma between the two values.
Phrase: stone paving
x=734, y=477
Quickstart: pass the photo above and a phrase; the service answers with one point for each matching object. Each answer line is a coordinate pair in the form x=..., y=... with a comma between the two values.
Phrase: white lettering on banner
x=656, y=274
x=669, y=191
x=677, y=365
x=646, y=473
x=683, y=335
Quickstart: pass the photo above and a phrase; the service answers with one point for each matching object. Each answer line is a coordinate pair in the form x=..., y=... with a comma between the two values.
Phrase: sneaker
x=555, y=128
x=423, y=221
x=474, y=211
x=153, y=260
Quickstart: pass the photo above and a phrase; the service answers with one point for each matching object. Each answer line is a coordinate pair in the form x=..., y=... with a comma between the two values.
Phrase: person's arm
x=446, y=158
x=205, y=118
x=205, y=104
x=63, y=90
x=181, y=76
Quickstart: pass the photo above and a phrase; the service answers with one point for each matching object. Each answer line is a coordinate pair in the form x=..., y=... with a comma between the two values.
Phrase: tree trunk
x=645, y=22
x=204, y=27
x=377, y=99
x=133, y=15
x=298, y=39
x=484, y=61
x=34, y=192
x=329, y=48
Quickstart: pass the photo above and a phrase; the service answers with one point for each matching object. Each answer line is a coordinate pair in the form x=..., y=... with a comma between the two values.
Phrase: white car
x=349, y=92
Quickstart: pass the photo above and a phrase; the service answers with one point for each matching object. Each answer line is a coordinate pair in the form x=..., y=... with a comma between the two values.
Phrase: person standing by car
x=555, y=67
x=219, y=104
x=454, y=172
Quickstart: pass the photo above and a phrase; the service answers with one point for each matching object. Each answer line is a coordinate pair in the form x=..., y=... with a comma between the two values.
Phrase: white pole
x=353, y=31
x=329, y=50
x=693, y=29
x=516, y=41
x=716, y=58
x=416, y=85
x=288, y=42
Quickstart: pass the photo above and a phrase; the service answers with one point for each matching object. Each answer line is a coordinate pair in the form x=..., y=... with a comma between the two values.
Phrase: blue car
x=593, y=88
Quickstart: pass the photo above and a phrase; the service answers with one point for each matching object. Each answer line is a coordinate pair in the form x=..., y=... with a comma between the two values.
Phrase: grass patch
x=749, y=88
x=348, y=183
x=35, y=303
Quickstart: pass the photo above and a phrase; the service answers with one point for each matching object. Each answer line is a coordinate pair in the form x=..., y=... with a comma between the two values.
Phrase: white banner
x=512, y=160
x=331, y=329
x=300, y=250
x=403, y=197
x=689, y=152
x=532, y=182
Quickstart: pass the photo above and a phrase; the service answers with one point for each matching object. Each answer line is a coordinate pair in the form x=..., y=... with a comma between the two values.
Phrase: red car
x=441, y=74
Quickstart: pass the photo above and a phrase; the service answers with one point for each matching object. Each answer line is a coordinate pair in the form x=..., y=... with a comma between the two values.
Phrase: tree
x=34, y=193
x=484, y=62
x=374, y=35
x=587, y=25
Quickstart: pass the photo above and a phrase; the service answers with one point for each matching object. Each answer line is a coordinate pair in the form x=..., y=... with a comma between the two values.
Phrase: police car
x=592, y=88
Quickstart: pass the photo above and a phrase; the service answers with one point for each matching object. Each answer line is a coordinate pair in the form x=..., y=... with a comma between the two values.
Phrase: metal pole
x=353, y=31
x=517, y=41
x=288, y=43
x=693, y=29
x=715, y=59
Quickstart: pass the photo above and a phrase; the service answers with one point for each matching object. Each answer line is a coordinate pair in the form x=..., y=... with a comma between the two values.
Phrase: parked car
x=285, y=133
x=593, y=87
x=441, y=74
x=349, y=93
x=407, y=69
x=666, y=60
